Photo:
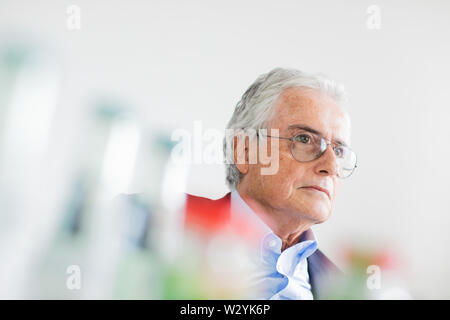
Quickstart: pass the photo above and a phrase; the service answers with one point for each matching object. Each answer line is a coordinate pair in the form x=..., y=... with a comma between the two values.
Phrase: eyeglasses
x=307, y=146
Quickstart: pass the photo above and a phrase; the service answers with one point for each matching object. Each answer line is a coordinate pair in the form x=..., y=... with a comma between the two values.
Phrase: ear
x=241, y=153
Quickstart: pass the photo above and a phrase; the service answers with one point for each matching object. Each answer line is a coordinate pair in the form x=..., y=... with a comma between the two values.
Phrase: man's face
x=291, y=189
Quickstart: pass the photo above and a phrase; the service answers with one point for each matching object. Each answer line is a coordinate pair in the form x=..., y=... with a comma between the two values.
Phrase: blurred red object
x=209, y=217
x=206, y=215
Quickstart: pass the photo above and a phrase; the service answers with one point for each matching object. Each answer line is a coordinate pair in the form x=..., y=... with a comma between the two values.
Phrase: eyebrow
x=309, y=129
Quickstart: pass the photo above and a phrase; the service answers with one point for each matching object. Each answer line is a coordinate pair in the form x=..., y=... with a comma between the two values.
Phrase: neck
x=287, y=229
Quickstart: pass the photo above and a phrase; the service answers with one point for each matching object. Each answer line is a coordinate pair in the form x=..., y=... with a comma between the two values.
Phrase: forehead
x=311, y=108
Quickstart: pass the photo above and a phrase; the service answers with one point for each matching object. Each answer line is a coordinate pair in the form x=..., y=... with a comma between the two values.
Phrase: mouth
x=318, y=189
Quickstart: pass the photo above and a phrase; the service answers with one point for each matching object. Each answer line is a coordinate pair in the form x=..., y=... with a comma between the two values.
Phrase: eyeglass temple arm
x=291, y=139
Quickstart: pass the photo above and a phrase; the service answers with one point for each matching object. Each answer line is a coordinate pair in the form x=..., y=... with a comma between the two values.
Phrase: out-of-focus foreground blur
x=91, y=93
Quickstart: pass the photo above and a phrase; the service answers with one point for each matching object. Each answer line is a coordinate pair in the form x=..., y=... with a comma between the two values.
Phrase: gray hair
x=254, y=110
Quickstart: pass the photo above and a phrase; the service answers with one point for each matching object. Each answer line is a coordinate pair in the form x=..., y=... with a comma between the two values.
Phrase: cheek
x=277, y=186
x=290, y=175
x=282, y=185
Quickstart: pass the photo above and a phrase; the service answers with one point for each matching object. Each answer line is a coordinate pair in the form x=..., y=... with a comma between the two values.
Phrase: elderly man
x=312, y=136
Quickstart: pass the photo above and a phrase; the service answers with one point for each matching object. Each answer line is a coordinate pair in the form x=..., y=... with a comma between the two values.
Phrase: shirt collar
x=240, y=210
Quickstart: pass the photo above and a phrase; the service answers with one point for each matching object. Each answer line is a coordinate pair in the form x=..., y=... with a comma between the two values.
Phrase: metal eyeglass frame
x=328, y=143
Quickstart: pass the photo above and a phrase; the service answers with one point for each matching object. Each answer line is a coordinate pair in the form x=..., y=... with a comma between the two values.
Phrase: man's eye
x=303, y=138
x=339, y=152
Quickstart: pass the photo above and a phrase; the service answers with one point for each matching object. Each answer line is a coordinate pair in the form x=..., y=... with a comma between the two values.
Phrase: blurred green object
x=366, y=276
x=12, y=58
x=138, y=276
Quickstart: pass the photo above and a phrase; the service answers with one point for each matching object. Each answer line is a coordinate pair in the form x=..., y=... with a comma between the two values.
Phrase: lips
x=319, y=189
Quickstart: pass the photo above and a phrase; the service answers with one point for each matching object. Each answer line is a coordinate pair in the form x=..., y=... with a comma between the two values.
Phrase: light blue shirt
x=280, y=275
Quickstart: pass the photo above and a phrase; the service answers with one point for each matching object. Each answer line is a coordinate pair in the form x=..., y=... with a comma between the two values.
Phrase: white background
x=177, y=62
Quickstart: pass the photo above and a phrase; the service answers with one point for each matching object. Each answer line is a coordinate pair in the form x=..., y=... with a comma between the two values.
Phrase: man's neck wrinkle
x=288, y=234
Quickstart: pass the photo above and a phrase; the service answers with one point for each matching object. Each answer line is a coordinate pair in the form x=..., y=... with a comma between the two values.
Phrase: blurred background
x=91, y=92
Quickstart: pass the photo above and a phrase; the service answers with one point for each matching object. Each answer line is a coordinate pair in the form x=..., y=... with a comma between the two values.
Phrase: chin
x=318, y=213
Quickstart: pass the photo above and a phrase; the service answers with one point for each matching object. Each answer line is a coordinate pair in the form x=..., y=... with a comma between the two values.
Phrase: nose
x=326, y=163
